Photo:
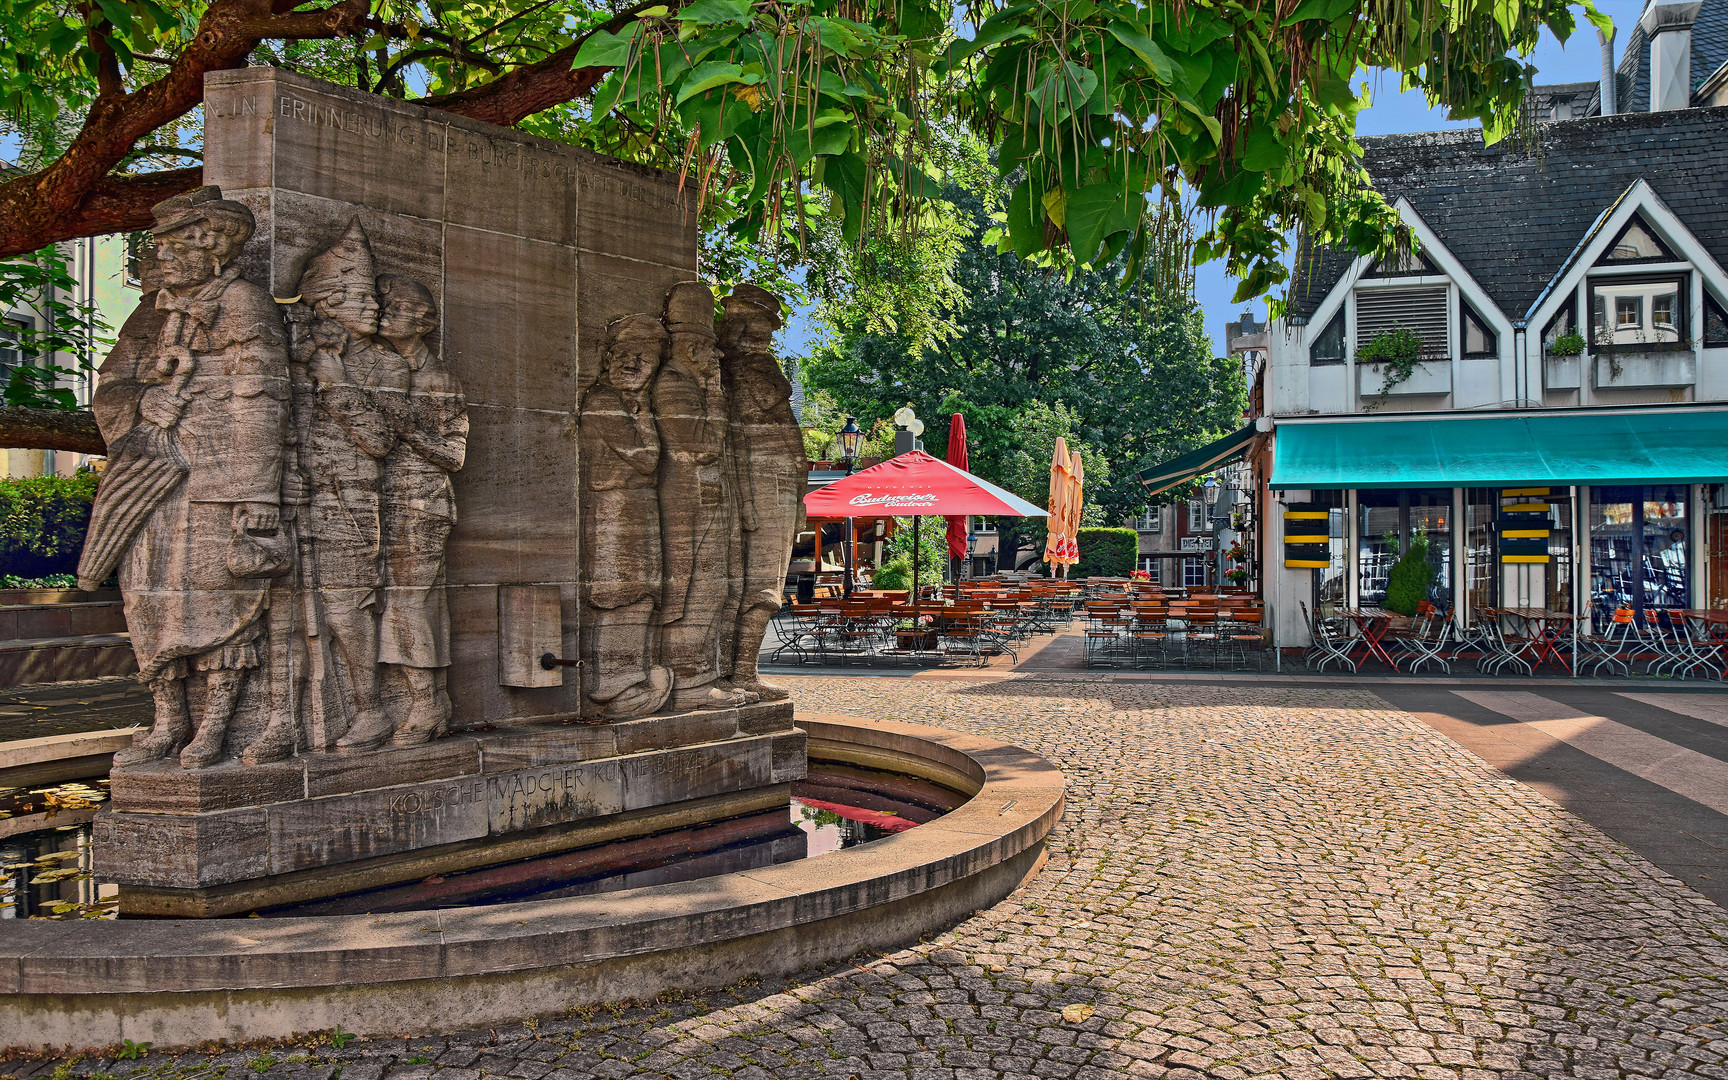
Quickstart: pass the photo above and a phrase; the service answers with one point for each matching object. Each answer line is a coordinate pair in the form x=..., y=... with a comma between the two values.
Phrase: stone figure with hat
x=354, y=398
x=620, y=507
x=193, y=403
x=698, y=519
x=769, y=472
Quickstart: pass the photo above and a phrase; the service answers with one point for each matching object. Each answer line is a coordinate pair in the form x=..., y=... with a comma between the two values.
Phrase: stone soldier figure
x=620, y=455
x=361, y=391
x=188, y=510
x=697, y=518
x=419, y=509
x=770, y=470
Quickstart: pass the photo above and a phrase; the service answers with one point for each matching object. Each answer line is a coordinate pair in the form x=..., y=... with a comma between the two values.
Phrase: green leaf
x=1264, y=152
x=709, y=74
x=1095, y=212
x=605, y=49
x=715, y=12
x=1145, y=48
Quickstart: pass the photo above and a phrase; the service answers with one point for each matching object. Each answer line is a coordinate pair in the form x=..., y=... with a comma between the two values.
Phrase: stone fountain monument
x=448, y=514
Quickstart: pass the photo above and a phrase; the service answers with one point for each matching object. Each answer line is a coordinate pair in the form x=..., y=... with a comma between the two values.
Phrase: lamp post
x=1210, y=492
x=907, y=428
x=850, y=439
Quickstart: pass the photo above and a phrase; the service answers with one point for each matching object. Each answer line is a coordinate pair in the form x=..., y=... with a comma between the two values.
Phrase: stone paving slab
x=1294, y=881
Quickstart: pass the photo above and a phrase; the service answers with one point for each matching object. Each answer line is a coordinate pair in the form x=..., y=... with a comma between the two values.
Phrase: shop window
x=1422, y=310
x=1650, y=311
x=1639, y=555
x=1478, y=339
x=1388, y=521
x=1637, y=241
x=1328, y=348
x=1715, y=321
x=1194, y=573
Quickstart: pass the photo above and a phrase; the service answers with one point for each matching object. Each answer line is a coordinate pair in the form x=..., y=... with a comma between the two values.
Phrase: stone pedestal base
x=232, y=838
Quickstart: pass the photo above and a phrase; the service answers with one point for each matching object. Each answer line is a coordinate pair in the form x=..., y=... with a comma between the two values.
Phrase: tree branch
x=51, y=429
x=52, y=204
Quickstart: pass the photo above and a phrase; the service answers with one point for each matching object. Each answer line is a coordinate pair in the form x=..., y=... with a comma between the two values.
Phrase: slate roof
x=1709, y=53
x=1513, y=216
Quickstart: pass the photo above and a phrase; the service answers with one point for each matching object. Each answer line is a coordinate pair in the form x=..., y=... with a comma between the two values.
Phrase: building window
x=1422, y=310
x=1644, y=312
x=1151, y=520
x=12, y=334
x=141, y=246
x=1636, y=242
x=1194, y=573
x=1715, y=322
x=1478, y=339
x=1565, y=321
x=1149, y=563
x=1196, y=516
x=1409, y=264
x=1328, y=348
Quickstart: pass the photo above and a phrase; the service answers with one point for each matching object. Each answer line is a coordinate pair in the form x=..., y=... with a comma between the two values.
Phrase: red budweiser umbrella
x=957, y=458
x=915, y=484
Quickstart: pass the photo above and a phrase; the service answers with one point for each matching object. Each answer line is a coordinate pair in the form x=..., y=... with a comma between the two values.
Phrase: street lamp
x=851, y=441
x=1210, y=492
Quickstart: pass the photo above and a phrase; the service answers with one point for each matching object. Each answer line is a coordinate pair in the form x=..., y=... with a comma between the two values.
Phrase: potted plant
x=1396, y=353
x=1237, y=575
x=1571, y=343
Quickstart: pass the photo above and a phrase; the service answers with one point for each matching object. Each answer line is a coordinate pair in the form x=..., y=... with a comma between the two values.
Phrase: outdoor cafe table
x=1543, y=628
x=1710, y=624
x=1373, y=622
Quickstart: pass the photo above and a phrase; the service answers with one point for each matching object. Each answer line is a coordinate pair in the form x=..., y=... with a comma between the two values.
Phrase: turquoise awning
x=1594, y=447
x=1194, y=462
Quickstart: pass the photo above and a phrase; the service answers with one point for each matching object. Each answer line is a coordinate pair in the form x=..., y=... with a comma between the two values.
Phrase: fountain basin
x=182, y=981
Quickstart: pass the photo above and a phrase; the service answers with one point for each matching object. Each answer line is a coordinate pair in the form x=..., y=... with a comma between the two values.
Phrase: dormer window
x=1636, y=243
x=1644, y=311
x=1715, y=322
x=1478, y=339
x=1409, y=264
x=1328, y=348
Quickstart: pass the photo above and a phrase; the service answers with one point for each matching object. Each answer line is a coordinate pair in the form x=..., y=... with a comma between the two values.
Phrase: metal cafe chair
x=1498, y=649
x=1615, y=647
x=1330, y=643
x=1427, y=638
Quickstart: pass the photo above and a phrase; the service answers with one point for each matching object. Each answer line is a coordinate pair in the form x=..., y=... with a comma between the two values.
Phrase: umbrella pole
x=915, y=546
x=851, y=542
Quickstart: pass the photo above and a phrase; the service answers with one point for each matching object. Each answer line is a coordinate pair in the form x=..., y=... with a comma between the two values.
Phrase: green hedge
x=1106, y=553
x=42, y=523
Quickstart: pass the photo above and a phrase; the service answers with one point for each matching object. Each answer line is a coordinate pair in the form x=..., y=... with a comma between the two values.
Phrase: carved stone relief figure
x=188, y=510
x=769, y=468
x=698, y=522
x=361, y=387
x=419, y=511
x=620, y=455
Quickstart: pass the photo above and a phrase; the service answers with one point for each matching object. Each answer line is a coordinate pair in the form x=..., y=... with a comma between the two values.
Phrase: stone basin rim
x=1018, y=798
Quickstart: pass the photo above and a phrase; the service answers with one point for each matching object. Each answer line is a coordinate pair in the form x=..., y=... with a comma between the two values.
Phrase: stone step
x=28, y=661
x=24, y=621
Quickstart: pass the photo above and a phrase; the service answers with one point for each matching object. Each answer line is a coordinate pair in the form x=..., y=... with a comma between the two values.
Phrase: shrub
x=1407, y=584
x=1106, y=553
x=42, y=523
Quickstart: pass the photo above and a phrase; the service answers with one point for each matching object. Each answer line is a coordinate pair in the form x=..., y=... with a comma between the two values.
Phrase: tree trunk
x=50, y=429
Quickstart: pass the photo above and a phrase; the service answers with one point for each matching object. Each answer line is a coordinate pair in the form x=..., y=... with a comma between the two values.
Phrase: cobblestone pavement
x=1249, y=881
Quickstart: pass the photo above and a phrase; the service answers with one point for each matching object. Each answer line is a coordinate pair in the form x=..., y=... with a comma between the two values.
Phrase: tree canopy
x=1110, y=118
x=1028, y=355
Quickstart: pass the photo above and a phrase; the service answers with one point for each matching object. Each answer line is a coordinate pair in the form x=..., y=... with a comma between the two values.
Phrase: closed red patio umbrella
x=957, y=457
